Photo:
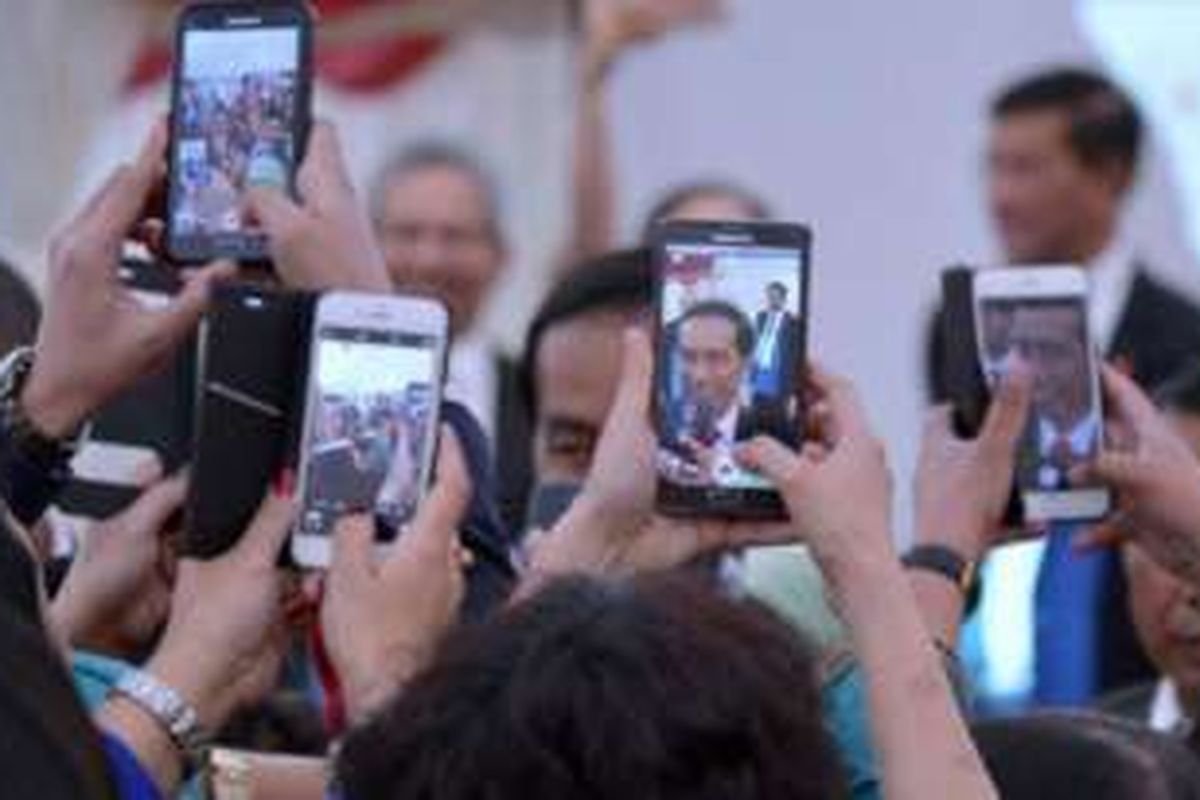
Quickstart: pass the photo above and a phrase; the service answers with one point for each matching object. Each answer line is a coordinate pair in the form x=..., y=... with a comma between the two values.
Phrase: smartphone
x=240, y=114
x=731, y=325
x=251, y=367
x=376, y=366
x=1038, y=316
x=145, y=432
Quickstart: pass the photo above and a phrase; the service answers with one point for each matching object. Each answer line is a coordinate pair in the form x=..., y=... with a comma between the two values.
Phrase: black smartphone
x=146, y=431
x=251, y=376
x=240, y=114
x=731, y=324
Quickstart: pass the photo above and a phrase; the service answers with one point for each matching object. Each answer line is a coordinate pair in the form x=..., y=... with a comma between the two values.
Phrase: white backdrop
x=867, y=120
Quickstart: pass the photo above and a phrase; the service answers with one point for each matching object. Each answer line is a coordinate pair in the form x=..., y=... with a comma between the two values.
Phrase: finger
x=846, y=414
x=323, y=179
x=1100, y=537
x=1118, y=470
x=274, y=211
x=267, y=532
x=118, y=206
x=770, y=458
x=150, y=512
x=437, y=521
x=1009, y=410
x=632, y=403
x=182, y=316
x=939, y=423
x=1126, y=399
x=353, y=548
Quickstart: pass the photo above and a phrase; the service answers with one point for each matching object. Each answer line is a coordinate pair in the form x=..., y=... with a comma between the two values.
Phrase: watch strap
x=170, y=710
x=944, y=561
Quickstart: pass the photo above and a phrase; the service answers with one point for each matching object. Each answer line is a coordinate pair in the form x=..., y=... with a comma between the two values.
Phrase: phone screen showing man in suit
x=1048, y=336
x=730, y=353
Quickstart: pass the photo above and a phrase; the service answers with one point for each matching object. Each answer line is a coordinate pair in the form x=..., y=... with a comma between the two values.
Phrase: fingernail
x=285, y=484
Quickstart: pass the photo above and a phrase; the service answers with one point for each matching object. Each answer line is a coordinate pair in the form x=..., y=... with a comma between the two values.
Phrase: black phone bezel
x=247, y=249
x=711, y=501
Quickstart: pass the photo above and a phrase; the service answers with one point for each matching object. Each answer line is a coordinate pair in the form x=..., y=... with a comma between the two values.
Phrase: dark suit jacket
x=787, y=342
x=513, y=448
x=1132, y=703
x=1157, y=335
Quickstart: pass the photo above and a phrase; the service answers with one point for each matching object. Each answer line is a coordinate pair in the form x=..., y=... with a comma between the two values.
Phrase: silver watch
x=171, y=711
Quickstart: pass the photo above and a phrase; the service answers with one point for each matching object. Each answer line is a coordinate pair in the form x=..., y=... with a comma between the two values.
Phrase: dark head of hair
x=653, y=688
x=20, y=311
x=1082, y=754
x=1181, y=392
x=778, y=286
x=432, y=155
x=619, y=281
x=1105, y=126
x=743, y=330
x=676, y=198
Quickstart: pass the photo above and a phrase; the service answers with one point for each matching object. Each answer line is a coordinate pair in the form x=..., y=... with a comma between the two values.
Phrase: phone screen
x=370, y=426
x=730, y=348
x=1049, y=336
x=235, y=126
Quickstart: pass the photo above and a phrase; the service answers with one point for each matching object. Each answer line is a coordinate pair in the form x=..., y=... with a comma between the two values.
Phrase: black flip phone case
x=963, y=377
x=252, y=372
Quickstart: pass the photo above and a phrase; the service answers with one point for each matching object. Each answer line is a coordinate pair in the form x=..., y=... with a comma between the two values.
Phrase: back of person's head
x=620, y=281
x=1055, y=755
x=1105, y=127
x=20, y=310
x=706, y=200
x=656, y=688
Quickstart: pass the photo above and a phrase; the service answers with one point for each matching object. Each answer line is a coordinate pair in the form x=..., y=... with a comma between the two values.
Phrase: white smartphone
x=371, y=415
x=1038, y=316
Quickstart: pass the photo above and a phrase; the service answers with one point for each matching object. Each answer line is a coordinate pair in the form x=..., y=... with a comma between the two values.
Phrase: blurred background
x=864, y=119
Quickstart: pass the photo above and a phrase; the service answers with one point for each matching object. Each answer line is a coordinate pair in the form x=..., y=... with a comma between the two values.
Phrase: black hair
x=1105, y=126
x=676, y=198
x=1084, y=754
x=20, y=311
x=1181, y=392
x=743, y=330
x=437, y=154
x=779, y=286
x=656, y=687
x=619, y=281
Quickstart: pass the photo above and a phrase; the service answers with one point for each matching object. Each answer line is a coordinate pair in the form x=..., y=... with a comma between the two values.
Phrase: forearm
x=908, y=691
x=941, y=605
x=146, y=739
x=594, y=187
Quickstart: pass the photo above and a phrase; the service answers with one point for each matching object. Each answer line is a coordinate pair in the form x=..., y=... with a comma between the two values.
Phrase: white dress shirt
x=1082, y=439
x=1166, y=712
x=1110, y=277
x=472, y=379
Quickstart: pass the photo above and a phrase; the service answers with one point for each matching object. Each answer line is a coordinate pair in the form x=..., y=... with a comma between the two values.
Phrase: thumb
x=182, y=316
x=771, y=458
x=150, y=512
x=632, y=403
x=267, y=532
x=435, y=528
x=1009, y=410
x=274, y=210
x=353, y=548
x=1117, y=470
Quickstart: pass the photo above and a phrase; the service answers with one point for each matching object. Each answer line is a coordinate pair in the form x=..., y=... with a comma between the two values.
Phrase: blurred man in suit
x=1062, y=161
x=777, y=329
x=1064, y=427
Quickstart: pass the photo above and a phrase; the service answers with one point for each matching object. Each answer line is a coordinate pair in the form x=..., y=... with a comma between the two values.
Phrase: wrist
x=961, y=532
x=52, y=413
x=195, y=683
